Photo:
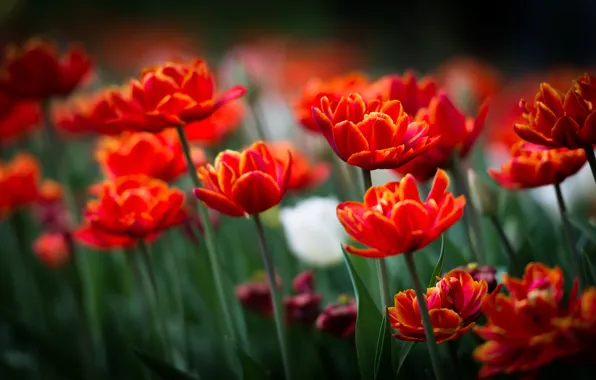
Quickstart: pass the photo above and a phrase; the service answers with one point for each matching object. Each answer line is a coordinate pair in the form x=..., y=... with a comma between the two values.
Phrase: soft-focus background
x=515, y=44
x=511, y=34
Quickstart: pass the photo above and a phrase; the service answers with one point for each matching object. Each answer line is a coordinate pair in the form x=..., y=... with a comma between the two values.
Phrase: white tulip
x=313, y=232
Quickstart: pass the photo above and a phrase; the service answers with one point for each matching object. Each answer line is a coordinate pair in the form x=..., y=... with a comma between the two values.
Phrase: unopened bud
x=484, y=197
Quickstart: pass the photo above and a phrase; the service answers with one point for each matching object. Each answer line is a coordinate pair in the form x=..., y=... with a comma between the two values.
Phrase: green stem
x=275, y=297
x=366, y=180
x=174, y=275
x=381, y=264
x=209, y=236
x=31, y=303
x=471, y=217
x=256, y=120
x=152, y=294
x=342, y=184
x=453, y=345
x=383, y=283
x=507, y=246
x=591, y=160
x=568, y=235
x=428, y=328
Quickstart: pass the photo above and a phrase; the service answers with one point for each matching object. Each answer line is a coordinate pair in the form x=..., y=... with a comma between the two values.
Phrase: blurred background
x=512, y=35
x=499, y=49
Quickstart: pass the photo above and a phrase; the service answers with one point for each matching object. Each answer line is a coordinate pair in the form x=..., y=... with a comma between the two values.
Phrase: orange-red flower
x=333, y=89
x=95, y=238
x=557, y=119
x=377, y=135
x=19, y=183
x=170, y=95
x=134, y=206
x=155, y=155
x=87, y=113
x=17, y=119
x=212, y=130
x=454, y=305
x=304, y=175
x=244, y=183
x=412, y=94
x=534, y=165
x=530, y=327
x=52, y=249
x=458, y=135
x=394, y=220
x=36, y=71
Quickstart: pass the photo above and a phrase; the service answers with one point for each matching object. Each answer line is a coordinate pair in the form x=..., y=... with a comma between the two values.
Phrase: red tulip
x=561, y=119
x=52, y=249
x=535, y=165
x=412, y=94
x=374, y=135
x=304, y=175
x=454, y=305
x=36, y=71
x=332, y=89
x=134, y=206
x=155, y=155
x=170, y=95
x=393, y=219
x=244, y=183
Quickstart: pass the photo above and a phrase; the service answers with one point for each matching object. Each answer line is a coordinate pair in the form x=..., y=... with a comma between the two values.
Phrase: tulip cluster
x=532, y=326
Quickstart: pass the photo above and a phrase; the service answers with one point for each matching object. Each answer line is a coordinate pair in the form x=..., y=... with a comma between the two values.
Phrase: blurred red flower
x=393, y=219
x=377, y=135
x=20, y=182
x=333, y=89
x=412, y=94
x=534, y=165
x=458, y=135
x=561, y=119
x=87, y=114
x=454, y=305
x=17, y=119
x=52, y=249
x=170, y=95
x=36, y=71
x=339, y=318
x=134, y=206
x=96, y=238
x=468, y=81
x=212, y=130
x=304, y=175
x=244, y=183
x=301, y=307
x=155, y=155
x=531, y=327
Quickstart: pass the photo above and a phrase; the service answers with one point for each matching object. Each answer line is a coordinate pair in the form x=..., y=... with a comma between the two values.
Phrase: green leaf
x=383, y=351
x=589, y=268
x=439, y=267
x=367, y=324
x=403, y=354
x=162, y=369
x=585, y=227
x=251, y=370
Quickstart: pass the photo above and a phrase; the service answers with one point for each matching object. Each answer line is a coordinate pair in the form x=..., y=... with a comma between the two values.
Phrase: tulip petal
x=256, y=192
x=218, y=202
x=348, y=140
x=370, y=253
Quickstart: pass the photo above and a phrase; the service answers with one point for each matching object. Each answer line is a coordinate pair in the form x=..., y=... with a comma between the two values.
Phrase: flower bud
x=482, y=272
x=339, y=318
